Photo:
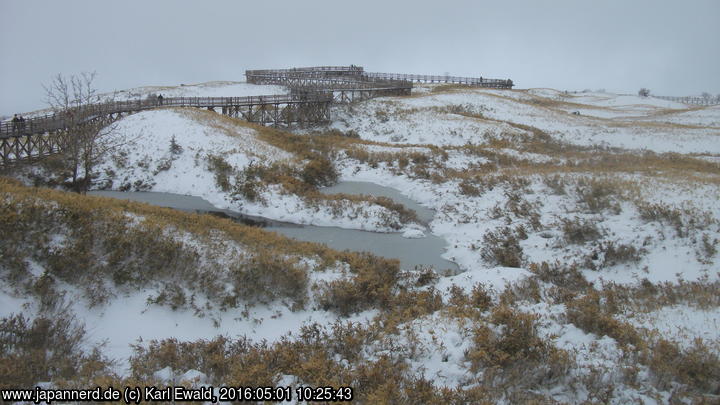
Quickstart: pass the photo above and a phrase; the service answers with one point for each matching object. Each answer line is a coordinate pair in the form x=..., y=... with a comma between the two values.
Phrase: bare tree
x=75, y=100
x=706, y=96
x=643, y=92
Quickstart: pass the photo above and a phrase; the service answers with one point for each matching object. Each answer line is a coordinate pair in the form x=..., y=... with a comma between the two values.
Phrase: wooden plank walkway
x=53, y=122
x=312, y=91
x=38, y=137
x=692, y=100
x=470, y=81
x=349, y=76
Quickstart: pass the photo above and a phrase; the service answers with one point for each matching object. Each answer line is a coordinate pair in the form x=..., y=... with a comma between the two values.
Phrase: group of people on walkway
x=18, y=123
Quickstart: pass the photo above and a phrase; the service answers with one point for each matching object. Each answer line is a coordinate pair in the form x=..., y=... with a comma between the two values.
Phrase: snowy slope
x=144, y=160
x=584, y=218
x=611, y=120
x=209, y=89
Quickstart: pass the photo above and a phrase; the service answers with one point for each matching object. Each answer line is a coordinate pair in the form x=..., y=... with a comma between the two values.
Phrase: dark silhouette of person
x=15, y=123
x=160, y=99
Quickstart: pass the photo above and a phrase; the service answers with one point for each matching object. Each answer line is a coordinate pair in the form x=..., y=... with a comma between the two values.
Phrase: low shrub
x=598, y=195
x=48, y=348
x=697, y=366
x=555, y=183
x=516, y=356
x=580, y=230
x=175, y=148
x=267, y=276
x=222, y=170
x=207, y=356
x=647, y=296
x=618, y=253
x=709, y=246
x=319, y=172
x=588, y=314
x=372, y=285
x=250, y=181
x=467, y=188
x=480, y=297
x=561, y=275
x=662, y=213
x=522, y=208
x=382, y=116
x=426, y=276
x=684, y=221
x=502, y=247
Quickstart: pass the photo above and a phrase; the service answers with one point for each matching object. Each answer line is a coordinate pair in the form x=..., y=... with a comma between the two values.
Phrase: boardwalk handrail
x=697, y=100
x=307, y=84
x=481, y=81
x=55, y=121
x=309, y=70
x=312, y=90
x=355, y=76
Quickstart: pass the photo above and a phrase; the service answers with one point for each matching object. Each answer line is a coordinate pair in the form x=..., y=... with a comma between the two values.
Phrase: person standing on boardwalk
x=15, y=123
x=160, y=99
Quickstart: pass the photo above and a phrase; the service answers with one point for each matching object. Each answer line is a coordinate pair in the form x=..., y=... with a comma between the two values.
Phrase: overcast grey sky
x=670, y=47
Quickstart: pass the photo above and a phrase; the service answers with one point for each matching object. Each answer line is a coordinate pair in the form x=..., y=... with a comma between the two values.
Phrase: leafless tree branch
x=76, y=98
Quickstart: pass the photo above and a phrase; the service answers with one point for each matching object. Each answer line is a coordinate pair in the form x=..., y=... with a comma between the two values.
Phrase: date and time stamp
x=137, y=395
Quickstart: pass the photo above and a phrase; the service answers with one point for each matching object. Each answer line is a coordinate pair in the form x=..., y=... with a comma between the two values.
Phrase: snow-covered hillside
x=209, y=89
x=586, y=227
x=183, y=151
x=457, y=117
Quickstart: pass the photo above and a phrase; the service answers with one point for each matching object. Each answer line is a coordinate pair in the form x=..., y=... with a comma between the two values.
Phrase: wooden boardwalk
x=470, y=81
x=38, y=137
x=350, y=83
x=692, y=100
x=344, y=83
x=356, y=74
x=249, y=108
x=312, y=91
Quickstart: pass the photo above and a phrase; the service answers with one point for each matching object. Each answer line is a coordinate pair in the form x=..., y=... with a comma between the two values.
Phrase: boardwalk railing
x=312, y=90
x=53, y=122
x=692, y=100
x=472, y=81
x=356, y=75
x=317, y=71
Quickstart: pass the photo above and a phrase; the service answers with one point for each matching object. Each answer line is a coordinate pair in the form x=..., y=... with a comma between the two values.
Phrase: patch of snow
x=413, y=234
x=681, y=324
x=209, y=89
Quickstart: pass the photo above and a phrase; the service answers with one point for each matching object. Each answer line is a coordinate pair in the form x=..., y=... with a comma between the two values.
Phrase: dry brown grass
x=565, y=159
x=592, y=160
x=697, y=367
x=452, y=88
x=647, y=296
x=137, y=255
x=51, y=347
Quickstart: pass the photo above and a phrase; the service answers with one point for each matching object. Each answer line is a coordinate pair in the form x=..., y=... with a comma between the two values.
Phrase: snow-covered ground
x=656, y=226
x=209, y=89
x=610, y=120
x=144, y=160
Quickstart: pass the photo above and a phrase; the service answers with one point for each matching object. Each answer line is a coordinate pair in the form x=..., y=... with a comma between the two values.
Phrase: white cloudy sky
x=671, y=47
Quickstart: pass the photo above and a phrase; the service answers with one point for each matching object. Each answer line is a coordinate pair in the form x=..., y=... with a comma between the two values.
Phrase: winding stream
x=412, y=253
